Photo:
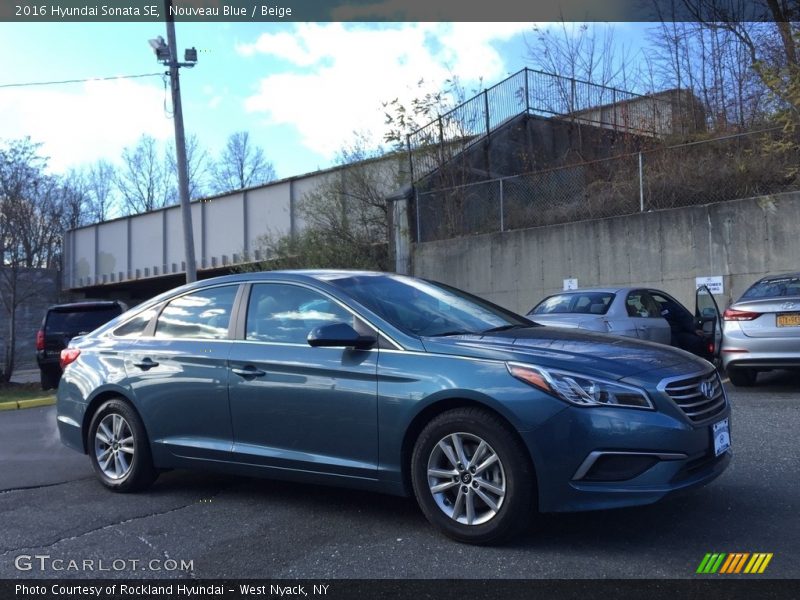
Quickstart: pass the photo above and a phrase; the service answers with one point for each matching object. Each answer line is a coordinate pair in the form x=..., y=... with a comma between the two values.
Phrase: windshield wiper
x=455, y=332
x=504, y=328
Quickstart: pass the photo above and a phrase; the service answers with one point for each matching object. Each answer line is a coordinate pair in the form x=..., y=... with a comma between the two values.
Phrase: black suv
x=63, y=322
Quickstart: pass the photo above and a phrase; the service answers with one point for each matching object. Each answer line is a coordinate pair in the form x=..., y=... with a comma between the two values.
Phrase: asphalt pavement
x=224, y=526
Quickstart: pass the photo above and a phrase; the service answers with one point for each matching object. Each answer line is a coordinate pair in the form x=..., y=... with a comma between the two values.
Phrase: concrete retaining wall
x=740, y=240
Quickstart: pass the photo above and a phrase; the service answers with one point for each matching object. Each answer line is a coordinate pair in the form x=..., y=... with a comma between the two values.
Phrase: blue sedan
x=393, y=384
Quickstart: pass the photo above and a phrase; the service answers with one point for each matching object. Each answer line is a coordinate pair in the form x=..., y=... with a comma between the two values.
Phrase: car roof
x=320, y=275
x=607, y=290
x=85, y=304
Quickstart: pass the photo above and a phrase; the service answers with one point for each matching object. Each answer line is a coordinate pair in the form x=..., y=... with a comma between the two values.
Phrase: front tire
x=742, y=376
x=472, y=477
x=119, y=449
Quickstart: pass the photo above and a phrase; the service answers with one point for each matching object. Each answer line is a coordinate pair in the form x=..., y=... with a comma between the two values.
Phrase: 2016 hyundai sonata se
x=394, y=384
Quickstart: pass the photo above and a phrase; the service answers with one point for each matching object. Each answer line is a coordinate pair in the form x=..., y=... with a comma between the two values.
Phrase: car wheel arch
x=433, y=410
x=95, y=403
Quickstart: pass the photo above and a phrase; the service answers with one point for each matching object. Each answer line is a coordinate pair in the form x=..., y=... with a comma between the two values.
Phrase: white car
x=643, y=313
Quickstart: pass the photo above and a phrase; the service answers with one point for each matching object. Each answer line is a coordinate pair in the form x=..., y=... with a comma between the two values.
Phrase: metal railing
x=536, y=93
x=716, y=170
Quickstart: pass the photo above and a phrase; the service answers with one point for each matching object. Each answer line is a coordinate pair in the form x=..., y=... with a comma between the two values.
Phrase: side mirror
x=339, y=335
x=709, y=313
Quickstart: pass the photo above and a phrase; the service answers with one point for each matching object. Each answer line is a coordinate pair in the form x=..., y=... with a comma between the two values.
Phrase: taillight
x=69, y=355
x=731, y=314
x=40, y=339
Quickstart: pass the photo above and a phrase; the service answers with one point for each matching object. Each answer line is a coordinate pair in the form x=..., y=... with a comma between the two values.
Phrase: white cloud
x=338, y=74
x=82, y=123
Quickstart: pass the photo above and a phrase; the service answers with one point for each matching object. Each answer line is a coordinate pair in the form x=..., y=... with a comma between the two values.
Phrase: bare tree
x=402, y=118
x=714, y=64
x=21, y=169
x=24, y=232
x=241, y=165
x=585, y=52
x=100, y=190
x=772, y=45
x=347, y=218
x=145, y=180
x=197, y=163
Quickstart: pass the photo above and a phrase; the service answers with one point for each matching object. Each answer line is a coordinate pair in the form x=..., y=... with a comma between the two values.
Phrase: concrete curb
x=33, y=402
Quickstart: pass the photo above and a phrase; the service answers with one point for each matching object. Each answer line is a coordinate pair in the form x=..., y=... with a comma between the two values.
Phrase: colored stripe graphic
x=703, y=563
x=734, y=562
x=711, y=563
x=717, y=564
x=732, y=558
x=758, y=563
x=741, y=562
x=723, y=563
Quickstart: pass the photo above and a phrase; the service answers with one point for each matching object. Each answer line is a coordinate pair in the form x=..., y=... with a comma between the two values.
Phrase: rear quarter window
x=135, y=326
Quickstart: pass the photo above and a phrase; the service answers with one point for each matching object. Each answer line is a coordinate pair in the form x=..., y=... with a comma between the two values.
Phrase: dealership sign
x=570, y=284
x=714, y=284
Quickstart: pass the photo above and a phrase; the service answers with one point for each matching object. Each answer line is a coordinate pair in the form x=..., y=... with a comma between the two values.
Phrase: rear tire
x=119, y=449
x=742, y=376
x=460, y=494
x=49, y=377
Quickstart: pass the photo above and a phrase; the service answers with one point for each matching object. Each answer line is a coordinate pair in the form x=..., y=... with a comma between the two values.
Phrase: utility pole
x=168, y=55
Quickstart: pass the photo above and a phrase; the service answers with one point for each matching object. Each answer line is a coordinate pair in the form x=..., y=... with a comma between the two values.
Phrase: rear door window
x=639, y=303
x=204, y=314
x=594, y=303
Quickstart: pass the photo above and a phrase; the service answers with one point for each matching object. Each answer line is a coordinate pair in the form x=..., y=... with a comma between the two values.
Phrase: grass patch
x=29, y=394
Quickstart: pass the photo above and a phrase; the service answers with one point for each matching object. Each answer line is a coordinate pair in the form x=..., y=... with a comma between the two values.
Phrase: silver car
x=761, y=330
x=643, y=313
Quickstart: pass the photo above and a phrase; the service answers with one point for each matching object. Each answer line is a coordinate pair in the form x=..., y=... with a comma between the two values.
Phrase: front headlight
x=579, y=389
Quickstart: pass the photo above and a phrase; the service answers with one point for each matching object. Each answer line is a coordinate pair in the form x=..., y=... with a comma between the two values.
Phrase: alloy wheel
x=466, y=478
x=114, y=446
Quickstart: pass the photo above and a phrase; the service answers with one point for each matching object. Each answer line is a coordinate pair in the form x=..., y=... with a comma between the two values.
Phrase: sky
x=302, y=90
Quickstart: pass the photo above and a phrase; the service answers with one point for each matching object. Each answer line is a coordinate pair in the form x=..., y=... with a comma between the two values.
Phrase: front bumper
x=659, y=453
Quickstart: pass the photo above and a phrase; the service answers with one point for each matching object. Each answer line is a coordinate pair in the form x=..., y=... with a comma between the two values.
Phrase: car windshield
x=774, y=288
x=426, y=308
x=589, y=303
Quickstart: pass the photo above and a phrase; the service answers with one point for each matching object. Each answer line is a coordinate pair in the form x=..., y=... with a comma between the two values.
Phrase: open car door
x=709, y=318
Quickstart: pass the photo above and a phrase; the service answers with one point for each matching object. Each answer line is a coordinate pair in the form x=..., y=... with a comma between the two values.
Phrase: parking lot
x=207, y=526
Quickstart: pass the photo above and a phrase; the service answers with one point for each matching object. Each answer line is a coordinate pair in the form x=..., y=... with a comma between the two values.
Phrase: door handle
x=248, y=372
x=146, y=363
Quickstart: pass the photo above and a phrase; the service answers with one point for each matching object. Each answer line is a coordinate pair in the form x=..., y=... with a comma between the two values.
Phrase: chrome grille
x=701, y=397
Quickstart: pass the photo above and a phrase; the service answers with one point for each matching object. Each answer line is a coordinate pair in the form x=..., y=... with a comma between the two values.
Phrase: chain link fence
x=716, y=170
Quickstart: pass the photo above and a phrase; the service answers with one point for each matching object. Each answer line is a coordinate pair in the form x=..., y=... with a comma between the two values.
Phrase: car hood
x=590, y=353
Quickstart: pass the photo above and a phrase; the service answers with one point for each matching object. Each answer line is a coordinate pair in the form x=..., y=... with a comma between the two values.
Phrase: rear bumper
x=48, y=361
x=739, y=350
x=70, y=432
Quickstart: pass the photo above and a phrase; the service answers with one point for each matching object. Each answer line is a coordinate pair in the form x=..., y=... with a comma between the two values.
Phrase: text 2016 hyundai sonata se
x=393, y=384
